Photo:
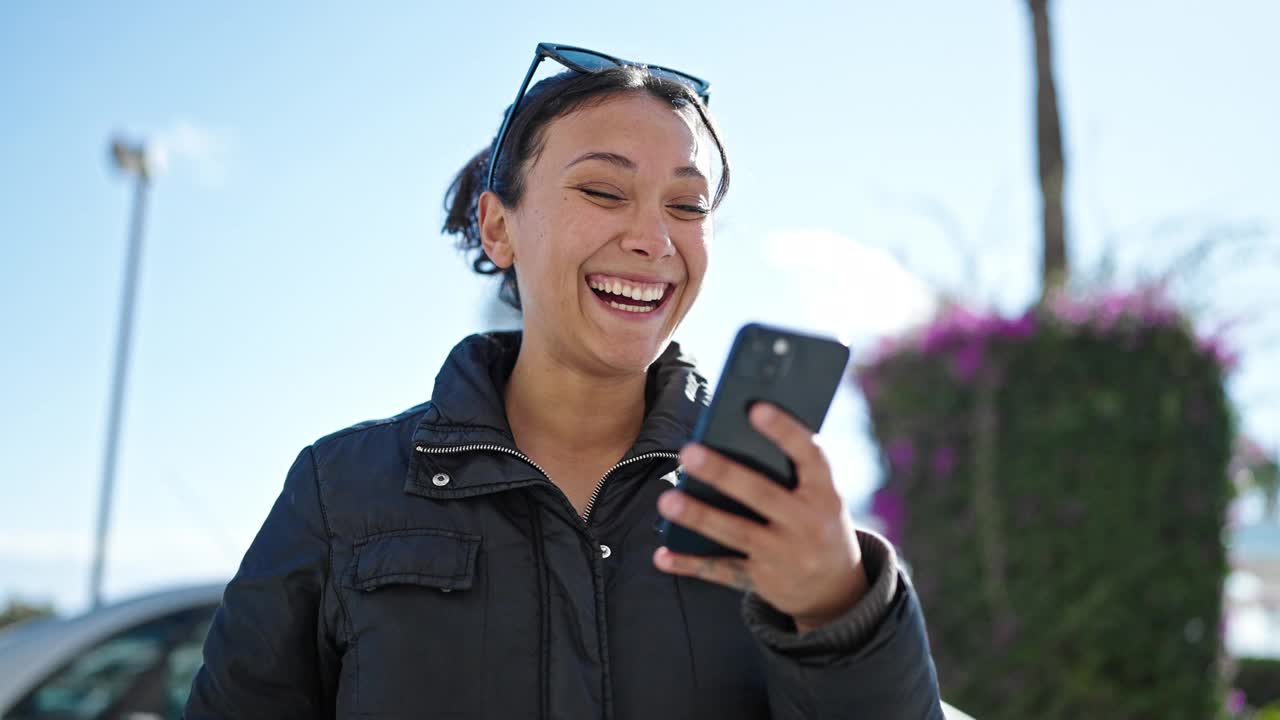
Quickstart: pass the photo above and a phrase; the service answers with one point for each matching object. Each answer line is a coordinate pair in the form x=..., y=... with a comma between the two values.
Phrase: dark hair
x=548, y=100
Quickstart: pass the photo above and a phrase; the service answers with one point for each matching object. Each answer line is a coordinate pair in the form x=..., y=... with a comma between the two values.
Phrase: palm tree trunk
x=1051, y=163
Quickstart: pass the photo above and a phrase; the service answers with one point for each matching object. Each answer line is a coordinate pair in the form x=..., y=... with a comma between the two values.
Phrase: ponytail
x=462, y=220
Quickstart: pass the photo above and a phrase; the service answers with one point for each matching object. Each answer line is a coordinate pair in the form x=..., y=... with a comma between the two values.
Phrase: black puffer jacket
x=420, y=567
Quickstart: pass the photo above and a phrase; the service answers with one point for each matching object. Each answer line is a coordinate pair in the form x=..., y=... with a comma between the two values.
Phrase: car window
x=139, y=673
x=183, y=663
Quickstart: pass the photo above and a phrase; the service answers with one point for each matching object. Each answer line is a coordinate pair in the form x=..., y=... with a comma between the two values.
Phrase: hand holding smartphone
x=795, y=371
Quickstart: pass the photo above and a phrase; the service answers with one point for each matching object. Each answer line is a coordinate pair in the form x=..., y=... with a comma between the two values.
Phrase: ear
x=494, y=235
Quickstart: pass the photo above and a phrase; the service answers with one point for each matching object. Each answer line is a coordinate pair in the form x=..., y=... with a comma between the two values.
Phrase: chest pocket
x=416, y=600
x=442, y=559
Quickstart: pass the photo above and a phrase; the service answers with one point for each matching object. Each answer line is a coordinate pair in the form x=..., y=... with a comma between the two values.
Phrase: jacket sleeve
x=267, y=654
x=872, y=662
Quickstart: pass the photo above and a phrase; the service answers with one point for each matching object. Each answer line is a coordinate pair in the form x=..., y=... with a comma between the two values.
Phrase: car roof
x=31, y=650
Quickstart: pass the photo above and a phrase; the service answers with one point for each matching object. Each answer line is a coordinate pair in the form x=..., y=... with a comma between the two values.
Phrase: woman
x=492, y=553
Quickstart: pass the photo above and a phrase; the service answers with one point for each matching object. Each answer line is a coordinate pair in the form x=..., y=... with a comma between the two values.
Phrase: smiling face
x=610, y=239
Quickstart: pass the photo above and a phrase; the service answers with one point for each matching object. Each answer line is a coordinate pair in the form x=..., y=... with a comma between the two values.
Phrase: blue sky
x=295, y=280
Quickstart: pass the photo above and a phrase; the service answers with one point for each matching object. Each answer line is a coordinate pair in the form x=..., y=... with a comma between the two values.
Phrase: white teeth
x=631, y=308
x=642, y=292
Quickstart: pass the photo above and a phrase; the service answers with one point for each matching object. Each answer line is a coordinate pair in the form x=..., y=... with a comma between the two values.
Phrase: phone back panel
x=797, y=372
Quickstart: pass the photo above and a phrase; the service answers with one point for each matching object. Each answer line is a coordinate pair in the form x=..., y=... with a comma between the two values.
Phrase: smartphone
x=795, y=371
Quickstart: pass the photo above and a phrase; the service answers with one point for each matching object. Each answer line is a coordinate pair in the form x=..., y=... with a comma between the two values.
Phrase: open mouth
x=629, y=296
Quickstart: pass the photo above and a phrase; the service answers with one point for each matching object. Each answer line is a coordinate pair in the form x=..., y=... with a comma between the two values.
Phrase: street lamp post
x=133, y=160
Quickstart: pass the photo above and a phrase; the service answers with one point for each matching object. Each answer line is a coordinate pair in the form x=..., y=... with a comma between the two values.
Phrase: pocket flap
x=442, y=559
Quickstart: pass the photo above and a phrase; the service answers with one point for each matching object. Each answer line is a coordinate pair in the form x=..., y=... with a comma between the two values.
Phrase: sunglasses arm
x=506, y=120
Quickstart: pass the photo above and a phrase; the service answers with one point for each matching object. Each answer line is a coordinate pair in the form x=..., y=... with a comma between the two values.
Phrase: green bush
x=1259, y=679
x=16, y=610
x=1058, y=486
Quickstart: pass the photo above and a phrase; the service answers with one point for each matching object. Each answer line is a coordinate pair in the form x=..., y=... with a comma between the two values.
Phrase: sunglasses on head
x=584, y=61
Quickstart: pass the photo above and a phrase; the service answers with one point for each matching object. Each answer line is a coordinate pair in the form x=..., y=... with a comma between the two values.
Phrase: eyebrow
x=626, y=163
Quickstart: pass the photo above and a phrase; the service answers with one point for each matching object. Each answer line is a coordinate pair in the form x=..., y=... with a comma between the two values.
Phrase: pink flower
x=944, y=460
x=886, y=504
x=1236, y=701
x=869, y=383
x=967, y=361
x=902, y=455
x=1071, y=310
x=1215, y=347
x=1020, y=329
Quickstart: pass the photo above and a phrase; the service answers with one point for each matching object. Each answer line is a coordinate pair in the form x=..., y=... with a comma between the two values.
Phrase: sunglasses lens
x=589, y=62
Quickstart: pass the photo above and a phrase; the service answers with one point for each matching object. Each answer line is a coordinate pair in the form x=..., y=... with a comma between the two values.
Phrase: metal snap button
x=605, y=552
x=440, y=479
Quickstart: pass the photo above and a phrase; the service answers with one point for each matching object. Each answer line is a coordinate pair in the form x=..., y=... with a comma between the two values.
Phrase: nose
x=649, y=236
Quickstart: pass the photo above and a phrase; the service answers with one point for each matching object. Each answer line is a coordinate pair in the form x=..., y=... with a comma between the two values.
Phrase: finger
x=797, y=441
x=766, y=497
x=725, y=528
x=730, y=572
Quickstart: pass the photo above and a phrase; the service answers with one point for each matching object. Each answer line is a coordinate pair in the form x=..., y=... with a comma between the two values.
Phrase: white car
x=133, y=660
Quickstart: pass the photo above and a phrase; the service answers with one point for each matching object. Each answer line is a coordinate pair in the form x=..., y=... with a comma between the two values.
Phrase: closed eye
x=690, y=212
x=599, y=194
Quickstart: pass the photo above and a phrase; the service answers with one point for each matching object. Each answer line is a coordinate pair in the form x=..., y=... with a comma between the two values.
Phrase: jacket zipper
x=595, y=495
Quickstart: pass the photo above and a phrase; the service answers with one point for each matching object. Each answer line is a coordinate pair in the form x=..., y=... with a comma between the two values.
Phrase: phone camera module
x=764, y=357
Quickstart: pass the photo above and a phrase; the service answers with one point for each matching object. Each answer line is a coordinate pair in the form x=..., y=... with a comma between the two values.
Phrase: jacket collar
x=467, y=408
